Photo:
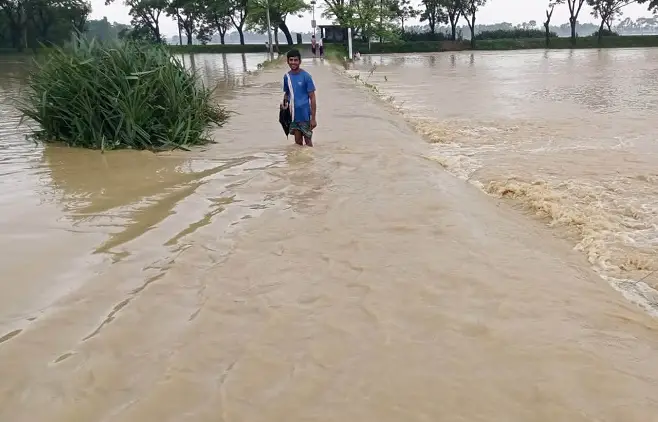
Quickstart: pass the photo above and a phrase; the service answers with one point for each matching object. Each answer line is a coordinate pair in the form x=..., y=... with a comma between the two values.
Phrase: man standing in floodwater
x=313, y=45
x=299, y=96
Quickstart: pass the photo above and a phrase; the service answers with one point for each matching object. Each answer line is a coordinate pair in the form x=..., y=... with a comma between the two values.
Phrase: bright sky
x=513, y=11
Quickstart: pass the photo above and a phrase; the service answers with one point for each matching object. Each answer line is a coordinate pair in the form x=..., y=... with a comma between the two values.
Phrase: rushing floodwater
x=255, y=281
x=570, y=135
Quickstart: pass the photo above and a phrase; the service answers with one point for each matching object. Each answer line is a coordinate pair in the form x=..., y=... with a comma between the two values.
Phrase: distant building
x=333, y=33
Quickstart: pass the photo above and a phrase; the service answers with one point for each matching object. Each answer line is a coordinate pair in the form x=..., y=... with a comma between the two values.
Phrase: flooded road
x=567, y=135
x=256, y=281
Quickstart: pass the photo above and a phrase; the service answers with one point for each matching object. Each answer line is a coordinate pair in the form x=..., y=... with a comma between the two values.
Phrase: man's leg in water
x=298, y=137
x=303, y=133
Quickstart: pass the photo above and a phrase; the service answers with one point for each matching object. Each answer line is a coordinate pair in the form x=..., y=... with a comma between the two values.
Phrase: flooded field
x=252, y=280
x=567, y=135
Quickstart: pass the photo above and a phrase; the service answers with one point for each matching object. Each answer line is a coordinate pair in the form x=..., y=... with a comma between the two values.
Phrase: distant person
x=321, y=47
x=299, y=97
x=314, y=45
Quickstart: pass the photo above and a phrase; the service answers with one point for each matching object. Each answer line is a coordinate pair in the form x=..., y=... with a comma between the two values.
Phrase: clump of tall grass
x=123, y=94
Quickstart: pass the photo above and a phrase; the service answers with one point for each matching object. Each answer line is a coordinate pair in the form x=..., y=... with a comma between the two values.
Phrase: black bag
x=285, y=115
x=285, y=118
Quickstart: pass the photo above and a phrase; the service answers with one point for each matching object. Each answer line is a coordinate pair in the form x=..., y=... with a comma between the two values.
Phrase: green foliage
x=605, y=33
x=434, y=13
x=508, y=44
x=279, y=11
x=141, y=33
x=370, y=19
x=189, y=14
x=607, y=11
x=217, y=48
x=31, y=23
x=651, y=4
x=565, y=43
x=410, y=36
x=337, y=53
x=216, y=18
x=145, y=20
x=118, y=95
x=403, y=47
x=104, y=30
x=403, y=10
x=515, y=33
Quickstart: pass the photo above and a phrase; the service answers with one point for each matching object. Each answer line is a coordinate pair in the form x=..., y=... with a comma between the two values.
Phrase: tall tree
x=103, y=29
x=365, y=17
x=469, y=9
x=189, y=14
x=279, y=12
x=238, y=13
x=453, y=9
x=16, y=18
x=547, y=22
x=30, y=23
x=146, y=16
x=216, y=17
x=575, y=6
x=340, y=10
x=76, y=12
x=404, y=10
x=433, y=13
x=606, y=11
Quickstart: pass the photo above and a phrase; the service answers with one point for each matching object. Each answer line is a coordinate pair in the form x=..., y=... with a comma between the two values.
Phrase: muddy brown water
x=255, y=281
x=567, y=135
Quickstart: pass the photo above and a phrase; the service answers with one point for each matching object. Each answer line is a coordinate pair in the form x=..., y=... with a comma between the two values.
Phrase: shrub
x=516, y=33
x=605, y=33
x=423, y=36
x=123, y=94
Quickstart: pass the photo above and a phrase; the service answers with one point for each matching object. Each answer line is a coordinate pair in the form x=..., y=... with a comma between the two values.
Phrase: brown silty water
x=567, y=135
x=257, y=281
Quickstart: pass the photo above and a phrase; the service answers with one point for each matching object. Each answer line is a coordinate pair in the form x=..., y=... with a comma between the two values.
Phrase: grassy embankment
x=338, y=51
x=508, y=44
x=427, y=46
x=120, y=95
x=180, y=49
x=228, y=48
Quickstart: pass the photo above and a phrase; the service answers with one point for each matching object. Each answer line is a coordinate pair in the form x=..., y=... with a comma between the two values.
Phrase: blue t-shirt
x=302, y=86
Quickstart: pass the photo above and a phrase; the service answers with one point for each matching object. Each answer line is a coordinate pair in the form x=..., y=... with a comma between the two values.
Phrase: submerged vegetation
x=122, y=94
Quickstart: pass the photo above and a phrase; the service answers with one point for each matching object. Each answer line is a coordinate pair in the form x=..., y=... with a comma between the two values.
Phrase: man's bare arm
x=311, y=96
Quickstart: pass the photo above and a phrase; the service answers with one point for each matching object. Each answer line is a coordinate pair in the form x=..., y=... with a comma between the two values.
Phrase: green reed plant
x=122, y=94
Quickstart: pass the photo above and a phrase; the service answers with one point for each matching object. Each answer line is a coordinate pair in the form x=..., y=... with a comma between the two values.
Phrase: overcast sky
x=514, y=11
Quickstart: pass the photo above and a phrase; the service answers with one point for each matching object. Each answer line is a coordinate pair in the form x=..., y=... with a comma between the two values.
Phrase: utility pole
x=313, y=20
x=269, y=28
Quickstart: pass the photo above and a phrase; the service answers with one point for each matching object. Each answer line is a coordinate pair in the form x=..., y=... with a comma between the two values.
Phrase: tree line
x=202, y=19
x=29, y=23
x=533, y=29
x=385, y=19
